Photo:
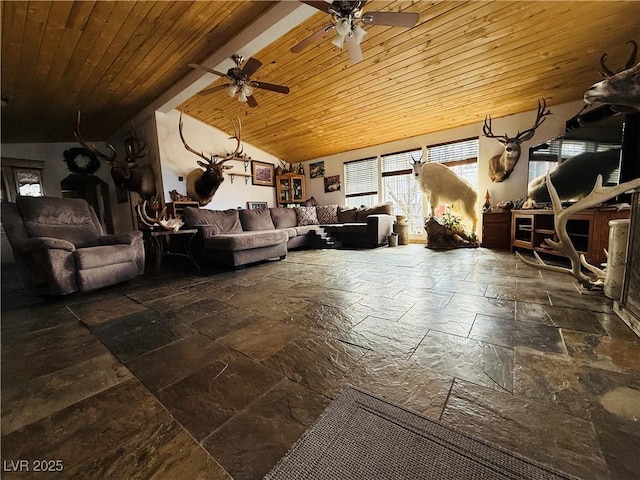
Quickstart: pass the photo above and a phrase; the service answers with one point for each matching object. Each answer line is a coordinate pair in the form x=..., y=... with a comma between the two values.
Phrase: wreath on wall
x=89, y=165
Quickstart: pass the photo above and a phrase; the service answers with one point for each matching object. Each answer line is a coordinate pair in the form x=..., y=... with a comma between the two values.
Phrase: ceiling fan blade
x=319, y=4
x=251, y=66
x=312, y=38
x=391, y=19
x=207, y=69
x=355, y=51
x=213, y=89
x=251, y=100
x=270, y=86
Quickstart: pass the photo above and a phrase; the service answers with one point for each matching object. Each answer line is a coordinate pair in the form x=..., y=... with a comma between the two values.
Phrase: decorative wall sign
x=256, y=205
x=262, y=173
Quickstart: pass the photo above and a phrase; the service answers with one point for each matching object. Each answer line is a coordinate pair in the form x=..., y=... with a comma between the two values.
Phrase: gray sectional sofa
x=233, y=238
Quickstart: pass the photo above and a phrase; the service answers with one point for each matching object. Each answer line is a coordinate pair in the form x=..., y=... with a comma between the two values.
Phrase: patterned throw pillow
x=327, y=214
x=306, y=216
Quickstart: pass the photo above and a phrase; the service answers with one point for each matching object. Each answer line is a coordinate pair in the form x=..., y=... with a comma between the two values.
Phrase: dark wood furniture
x=496, y=230
x=175, y=208
x=628, y=308
x=169, y=242
x=588, y=230
x=290, y=189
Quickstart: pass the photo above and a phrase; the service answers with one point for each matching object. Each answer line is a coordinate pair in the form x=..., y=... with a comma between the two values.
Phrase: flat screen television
x=605, y=143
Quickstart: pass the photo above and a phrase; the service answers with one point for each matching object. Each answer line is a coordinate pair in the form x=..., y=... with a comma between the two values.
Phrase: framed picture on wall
x=332, y=184
x=256, y=205
x=316, y=169
x=262, y=173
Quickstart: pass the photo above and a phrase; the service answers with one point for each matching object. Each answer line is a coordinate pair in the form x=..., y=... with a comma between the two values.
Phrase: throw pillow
x=306, y=216
x=220, y=221
x=284, y=217
x=327, y=214
x=346, y=214
x=312, y=202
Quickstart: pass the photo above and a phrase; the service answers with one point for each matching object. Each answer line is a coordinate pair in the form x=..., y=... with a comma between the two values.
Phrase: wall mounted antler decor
x=501, y=166
x=126, y=172
x=203, y=184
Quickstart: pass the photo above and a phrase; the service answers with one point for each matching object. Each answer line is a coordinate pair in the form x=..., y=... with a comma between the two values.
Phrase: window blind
x=454, y=153
x=399, y=163
x=361, y=177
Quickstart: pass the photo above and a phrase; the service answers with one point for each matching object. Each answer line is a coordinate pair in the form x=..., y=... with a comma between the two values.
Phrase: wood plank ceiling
x=464, y=60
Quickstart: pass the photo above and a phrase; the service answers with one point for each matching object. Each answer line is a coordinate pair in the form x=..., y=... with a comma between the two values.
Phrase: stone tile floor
x=216, y=374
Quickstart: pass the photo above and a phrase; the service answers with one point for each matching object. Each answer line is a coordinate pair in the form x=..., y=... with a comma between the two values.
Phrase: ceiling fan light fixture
x=338, y=41
x=242, y=97
x=359, y=33
x=231, y=90
x=247, y=90
x=343, y=27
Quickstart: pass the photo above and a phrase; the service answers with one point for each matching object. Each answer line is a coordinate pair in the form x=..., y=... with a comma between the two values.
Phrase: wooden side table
x=496, y=230
x=169, y=242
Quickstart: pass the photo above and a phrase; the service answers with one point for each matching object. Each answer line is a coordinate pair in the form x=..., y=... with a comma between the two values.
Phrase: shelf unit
x=588, y=231
x=290, y=189
x=496, y=230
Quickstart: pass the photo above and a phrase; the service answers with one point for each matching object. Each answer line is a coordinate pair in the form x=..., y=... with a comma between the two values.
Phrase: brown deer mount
x=501, y=166
x=203, y=184
x=126, y=172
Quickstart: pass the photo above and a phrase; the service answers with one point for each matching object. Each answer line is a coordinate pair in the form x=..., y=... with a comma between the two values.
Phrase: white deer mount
x=564, y=245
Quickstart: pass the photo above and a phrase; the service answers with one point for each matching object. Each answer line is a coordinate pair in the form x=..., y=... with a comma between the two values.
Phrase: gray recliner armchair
x=61, y=248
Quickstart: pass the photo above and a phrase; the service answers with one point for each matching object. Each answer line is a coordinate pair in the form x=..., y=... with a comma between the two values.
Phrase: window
x=460, y=156
x=361, y=182
x=400, y=187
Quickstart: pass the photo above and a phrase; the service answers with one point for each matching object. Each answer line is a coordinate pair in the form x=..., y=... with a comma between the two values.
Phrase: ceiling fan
x=241, y=83
x=345, y=16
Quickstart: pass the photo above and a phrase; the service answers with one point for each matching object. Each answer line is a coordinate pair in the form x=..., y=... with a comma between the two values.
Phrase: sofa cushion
x=217, y=221
x=363, y=213
x=284, y=217
x=252, y=220
x=305, y=229
x=306, y=216
x=70, y=219
x=327, y=214
x=234, y=242
x=311, y=202
x=346, y=214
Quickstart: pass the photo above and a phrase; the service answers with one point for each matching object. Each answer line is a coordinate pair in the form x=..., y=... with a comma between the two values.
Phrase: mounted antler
x=606, y=72
x=202, y=185
x=126, y=173
x=564, y=245
x=501, y=166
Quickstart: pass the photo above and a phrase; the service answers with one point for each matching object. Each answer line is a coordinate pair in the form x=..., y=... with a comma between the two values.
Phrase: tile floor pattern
x=216, y=374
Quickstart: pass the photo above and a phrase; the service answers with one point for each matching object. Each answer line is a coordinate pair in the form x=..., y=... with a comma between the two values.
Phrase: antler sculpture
x=165, y=221
x=564, y=245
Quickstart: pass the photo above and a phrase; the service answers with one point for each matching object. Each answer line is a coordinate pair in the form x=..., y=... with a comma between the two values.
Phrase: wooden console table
x=588, y=230
x=169, y=242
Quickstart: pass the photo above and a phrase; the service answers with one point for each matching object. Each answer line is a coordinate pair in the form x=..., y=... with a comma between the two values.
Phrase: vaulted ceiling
x=462, y=61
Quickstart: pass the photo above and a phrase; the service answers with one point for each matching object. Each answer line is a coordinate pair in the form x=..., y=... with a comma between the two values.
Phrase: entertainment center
x=588, y=230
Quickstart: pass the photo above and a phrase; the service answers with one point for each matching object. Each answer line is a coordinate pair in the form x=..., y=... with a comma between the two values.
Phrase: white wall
x=176, y=161
x=515, y=187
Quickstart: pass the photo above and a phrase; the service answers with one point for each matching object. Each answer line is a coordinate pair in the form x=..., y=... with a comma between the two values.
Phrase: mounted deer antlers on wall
x=501, y=166
x=598, y=195
x=202, y=185
x=617, y=89
x=126, y=173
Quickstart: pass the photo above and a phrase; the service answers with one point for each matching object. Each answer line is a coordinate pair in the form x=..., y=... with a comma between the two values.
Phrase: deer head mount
x=501, y=166
x=620, y=89
x=126, y=172
x=202, y=185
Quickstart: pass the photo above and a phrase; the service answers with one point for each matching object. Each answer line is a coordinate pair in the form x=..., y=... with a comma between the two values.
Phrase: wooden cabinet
x=496, y=230
x=588, y=230
x=175, y=208
x=290, y=189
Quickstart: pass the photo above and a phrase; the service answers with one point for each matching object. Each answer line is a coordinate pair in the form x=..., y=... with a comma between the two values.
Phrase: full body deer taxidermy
x=622, y=88
x=440, y=183
x=126, y=173
x=202, y=185
x=564, y=246
x=501, y=166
